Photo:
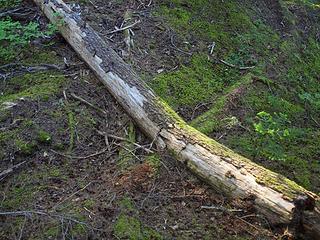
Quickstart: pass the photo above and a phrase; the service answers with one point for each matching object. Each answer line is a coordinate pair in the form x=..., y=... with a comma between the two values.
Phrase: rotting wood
x=223, y=169
x=127, y=32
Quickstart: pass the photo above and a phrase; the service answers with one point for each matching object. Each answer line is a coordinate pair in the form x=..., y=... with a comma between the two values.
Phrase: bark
x=274, y=195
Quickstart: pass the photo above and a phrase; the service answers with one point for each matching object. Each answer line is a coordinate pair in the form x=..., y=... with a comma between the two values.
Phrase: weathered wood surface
x=220, y=167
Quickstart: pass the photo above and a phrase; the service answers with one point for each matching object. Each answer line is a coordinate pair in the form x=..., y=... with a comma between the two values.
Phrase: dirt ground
x=88, y=172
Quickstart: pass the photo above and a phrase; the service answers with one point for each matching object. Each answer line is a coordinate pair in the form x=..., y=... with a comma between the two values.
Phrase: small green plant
x=154, y=161
x=272, y=132
x=272, y=126
x=26, y=148
x=44, y=137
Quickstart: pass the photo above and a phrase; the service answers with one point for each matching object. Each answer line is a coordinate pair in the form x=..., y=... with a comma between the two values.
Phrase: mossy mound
x=280, y=41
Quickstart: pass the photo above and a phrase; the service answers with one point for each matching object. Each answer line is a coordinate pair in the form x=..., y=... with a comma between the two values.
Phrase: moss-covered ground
x=270, y=112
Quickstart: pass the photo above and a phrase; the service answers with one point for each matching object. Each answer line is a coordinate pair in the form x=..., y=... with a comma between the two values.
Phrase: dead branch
x=5, y=73
x=234, y=66
x=128, y=39
x=88, y=103
x=124, y=28
x=221, y=208
x=134, y=143
x=129, y=151
x=83, y=157
x=53, y=215
x=18, y=13
x=126, y=140
x=4, y=173
x=178, y=49
x=67, y=198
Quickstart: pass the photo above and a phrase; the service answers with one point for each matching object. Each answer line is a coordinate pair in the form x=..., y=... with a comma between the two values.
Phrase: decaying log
x=274, y=195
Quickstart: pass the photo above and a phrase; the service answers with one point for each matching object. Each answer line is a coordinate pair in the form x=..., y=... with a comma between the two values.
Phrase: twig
x=231, y=210
x=250, y=224
x=83, y=157
x=10, y=65
x=165, y=166
x=128, y=33
x=40, y=67
x=197, y=107
x=93, y=5
x=106, y=141
x=178, y=49
x=212, y=46
x=129, y=151
x=16, y=121
x=22, y=228
x=258, y=216
x=220, y=208
x=27, y=69
x=316, y=122
x=16, y=12
x=30, y=213
x=80, y=190
x=4, y=173
x=221, y=136
x=154, y=185
x=124, y=28
x=88, y=103
x=46, y=67
x=127, y=140
x=234, y=66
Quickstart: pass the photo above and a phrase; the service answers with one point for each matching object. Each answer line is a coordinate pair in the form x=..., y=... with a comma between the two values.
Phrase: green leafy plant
x=44, y=137
x=272, y=132
x=15, y=35
x=272, y=126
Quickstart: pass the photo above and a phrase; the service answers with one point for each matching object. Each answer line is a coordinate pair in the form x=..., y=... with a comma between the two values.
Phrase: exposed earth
x=245, y=73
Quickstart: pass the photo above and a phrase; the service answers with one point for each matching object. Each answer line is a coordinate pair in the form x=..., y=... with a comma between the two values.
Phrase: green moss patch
x=131, y=228
x=33, y=86
x=212, y=120
x=211, y=21
x=128, y=225
x=26, y=186
x=44, y=137
x=26, y=148
x=191, y=85
x=154, y=161
x=239, y=40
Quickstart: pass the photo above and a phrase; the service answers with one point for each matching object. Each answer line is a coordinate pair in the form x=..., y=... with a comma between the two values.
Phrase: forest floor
x=88, y=173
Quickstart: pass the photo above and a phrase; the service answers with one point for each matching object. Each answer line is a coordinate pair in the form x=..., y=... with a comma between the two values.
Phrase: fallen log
x=278, y=198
